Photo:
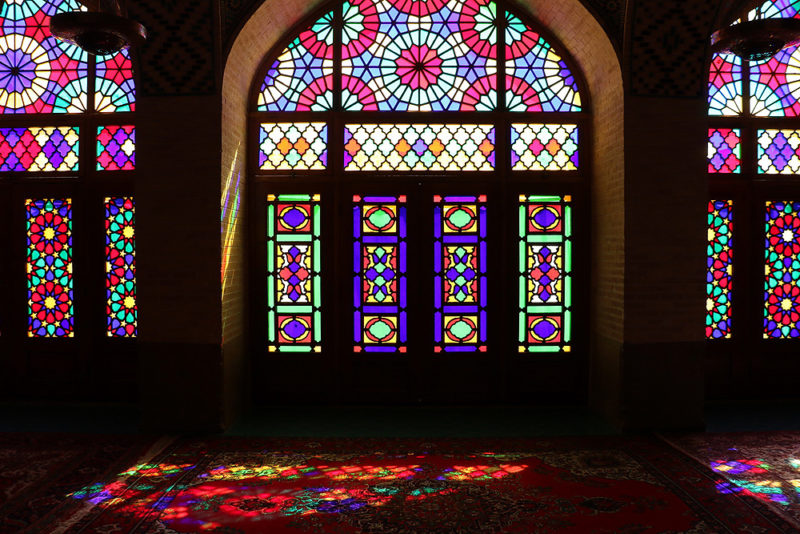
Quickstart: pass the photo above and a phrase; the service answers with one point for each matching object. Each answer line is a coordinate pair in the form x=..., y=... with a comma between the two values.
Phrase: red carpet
x=238, y=485
x=757, y=465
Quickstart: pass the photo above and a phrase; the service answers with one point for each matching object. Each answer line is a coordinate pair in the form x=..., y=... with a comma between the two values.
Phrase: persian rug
x=756, y=465
x=406, y=486
x=37, y=471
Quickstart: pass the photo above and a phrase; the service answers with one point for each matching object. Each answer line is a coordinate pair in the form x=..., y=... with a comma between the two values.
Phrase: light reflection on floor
x=188, y=496
x=757, y=478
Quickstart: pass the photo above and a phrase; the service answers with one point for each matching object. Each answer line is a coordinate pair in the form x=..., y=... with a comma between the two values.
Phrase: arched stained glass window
x=754, y=168
x=68, y=142
x=420, y=190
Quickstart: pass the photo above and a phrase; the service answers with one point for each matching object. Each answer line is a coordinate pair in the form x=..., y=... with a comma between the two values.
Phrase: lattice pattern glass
x=116, y=148
x=121, y=309
x=545, y=267
x=39, y=73
x=399, y=55
x=39, y=149
x=782, y=270
x=719, y=269
x=725, y=85
x=293, y=146
x=294, y=284
x=778, y=151
x=419, y=147
x=114, y=86
x=379, y=267
x=724, y=150
x=49, y=265
x=301, y=78
x=537, y=78
x=459, y=265
x=544, y=147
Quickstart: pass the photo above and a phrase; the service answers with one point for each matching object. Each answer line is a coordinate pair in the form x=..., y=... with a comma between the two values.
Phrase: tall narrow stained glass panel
x=459, y=283
x=719, y=269
x=782, y=270
x=725, y=85
x=121, y=309
x=294, y=285
x=49, y=265
x=545, y=267
x=379, y=266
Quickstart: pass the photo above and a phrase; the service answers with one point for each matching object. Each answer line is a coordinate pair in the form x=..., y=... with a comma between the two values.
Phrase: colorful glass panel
x=459, y=283
x=49, y=265
x=294, y=285
x=301, y=78
x=774, y=83
x=114, y=86
x=545, y=267
x=400, y=55
x=419, y=147
x=116, y=148
x=293, y=146
x=121, y=309
x=782, y=270
x=719, y=269
x=39, y=73
x=725, y=85
x=724, y=150
x=39, y=149
x=778, y=151
x=544, y=147
x=379, y=266
x=537, y=78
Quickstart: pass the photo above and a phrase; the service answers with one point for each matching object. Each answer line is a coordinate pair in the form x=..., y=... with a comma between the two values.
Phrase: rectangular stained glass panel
x=544, y=147
x=114, y=86
x=719, y=269
x=545, y=267
x=725, y=85
x=379, y=273
x=459, y=264
x=294, y=285
x=778, y=151
x=49, y=265
x=121, y=309
x=293, y=146
x=39, y=149
x=419, y=147
x=782, y=265
x=116, y=148
x=724, y=150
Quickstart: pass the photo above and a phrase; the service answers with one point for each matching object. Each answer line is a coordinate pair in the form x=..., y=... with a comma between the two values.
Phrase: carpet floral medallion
x=254, y=485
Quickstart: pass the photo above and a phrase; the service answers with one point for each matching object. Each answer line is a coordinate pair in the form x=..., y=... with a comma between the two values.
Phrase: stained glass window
x=419, y=147
x=116, y=148
x=724, y=150
x=778, y=151
x=39, y=73
x=719, y=269
x=121, y=309
x=39, y=149
x=545, y=266
x=293, y=146
x=114, y=87
x=459, y=263
x=725, y=85
x=301, y=78
x=782, y=270
x=294, y=285
x=537, y=78
x=544, y=147
x=49, y=265
x=379, y=266
x=402, y=55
